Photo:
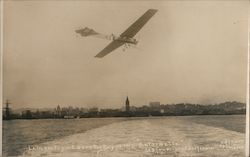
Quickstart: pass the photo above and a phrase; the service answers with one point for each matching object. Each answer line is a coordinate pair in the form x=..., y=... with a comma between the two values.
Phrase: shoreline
x=126, y=116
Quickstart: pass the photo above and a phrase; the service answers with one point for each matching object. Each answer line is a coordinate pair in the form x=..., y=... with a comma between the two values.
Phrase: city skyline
x=118, y=106
x=193, y=52
x=152, y=109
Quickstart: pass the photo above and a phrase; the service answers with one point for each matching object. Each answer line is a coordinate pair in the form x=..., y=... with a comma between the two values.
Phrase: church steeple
x=127, y=104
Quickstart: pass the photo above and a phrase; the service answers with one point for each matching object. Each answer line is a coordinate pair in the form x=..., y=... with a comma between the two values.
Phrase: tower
x=7, y=110
x=58, y=111
x=127, y=105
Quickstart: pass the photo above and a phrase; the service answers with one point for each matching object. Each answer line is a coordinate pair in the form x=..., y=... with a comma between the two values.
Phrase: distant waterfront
x=181, y=109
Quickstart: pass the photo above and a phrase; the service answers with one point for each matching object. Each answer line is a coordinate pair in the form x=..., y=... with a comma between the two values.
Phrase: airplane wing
x=113, y=45
x=137, y=25
x=130, y=32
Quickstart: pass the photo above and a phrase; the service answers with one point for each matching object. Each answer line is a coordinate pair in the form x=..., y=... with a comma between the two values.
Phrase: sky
x=189, y=51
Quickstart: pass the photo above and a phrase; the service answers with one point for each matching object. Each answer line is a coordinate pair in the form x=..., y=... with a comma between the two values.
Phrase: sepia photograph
x=124, y=78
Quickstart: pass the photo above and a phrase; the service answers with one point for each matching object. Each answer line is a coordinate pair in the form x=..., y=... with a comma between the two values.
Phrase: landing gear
x=126, y=46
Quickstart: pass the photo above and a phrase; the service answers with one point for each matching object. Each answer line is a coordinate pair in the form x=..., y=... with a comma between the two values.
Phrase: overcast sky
x=188, y=52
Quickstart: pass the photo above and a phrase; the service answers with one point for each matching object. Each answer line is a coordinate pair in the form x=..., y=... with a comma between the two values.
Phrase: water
x=154, y=136
x=19, y=134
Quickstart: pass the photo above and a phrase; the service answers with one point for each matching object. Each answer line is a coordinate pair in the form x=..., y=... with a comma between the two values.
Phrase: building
x=127, y=105
x=155, y=104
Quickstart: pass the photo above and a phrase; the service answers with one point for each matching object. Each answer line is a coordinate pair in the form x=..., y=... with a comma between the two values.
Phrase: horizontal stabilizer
x=86, y=32
x=90, y=32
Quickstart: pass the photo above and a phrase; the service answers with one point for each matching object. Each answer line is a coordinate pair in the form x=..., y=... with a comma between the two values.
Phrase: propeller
x=127, y=45
x=137, y=39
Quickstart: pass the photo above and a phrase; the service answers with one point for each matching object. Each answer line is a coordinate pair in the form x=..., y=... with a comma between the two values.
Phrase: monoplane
x=126, y=38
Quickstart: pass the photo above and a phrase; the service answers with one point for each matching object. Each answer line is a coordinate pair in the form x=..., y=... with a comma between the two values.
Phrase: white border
x=247, y=150
x=1, y=74
x=247, y=96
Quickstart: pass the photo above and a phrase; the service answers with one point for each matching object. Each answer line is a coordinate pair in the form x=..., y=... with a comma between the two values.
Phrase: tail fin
x=86, y=32
x=90, y=32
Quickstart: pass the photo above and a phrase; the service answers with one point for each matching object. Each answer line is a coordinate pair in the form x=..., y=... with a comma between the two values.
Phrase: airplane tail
x=86, y=32
x=90, y=32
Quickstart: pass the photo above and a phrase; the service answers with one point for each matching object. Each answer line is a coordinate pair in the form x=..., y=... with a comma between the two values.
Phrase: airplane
x=126, y=38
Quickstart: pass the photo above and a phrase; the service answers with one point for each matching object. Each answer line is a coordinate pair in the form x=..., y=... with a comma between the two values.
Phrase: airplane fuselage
x=87, y=32
x=126, y=40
